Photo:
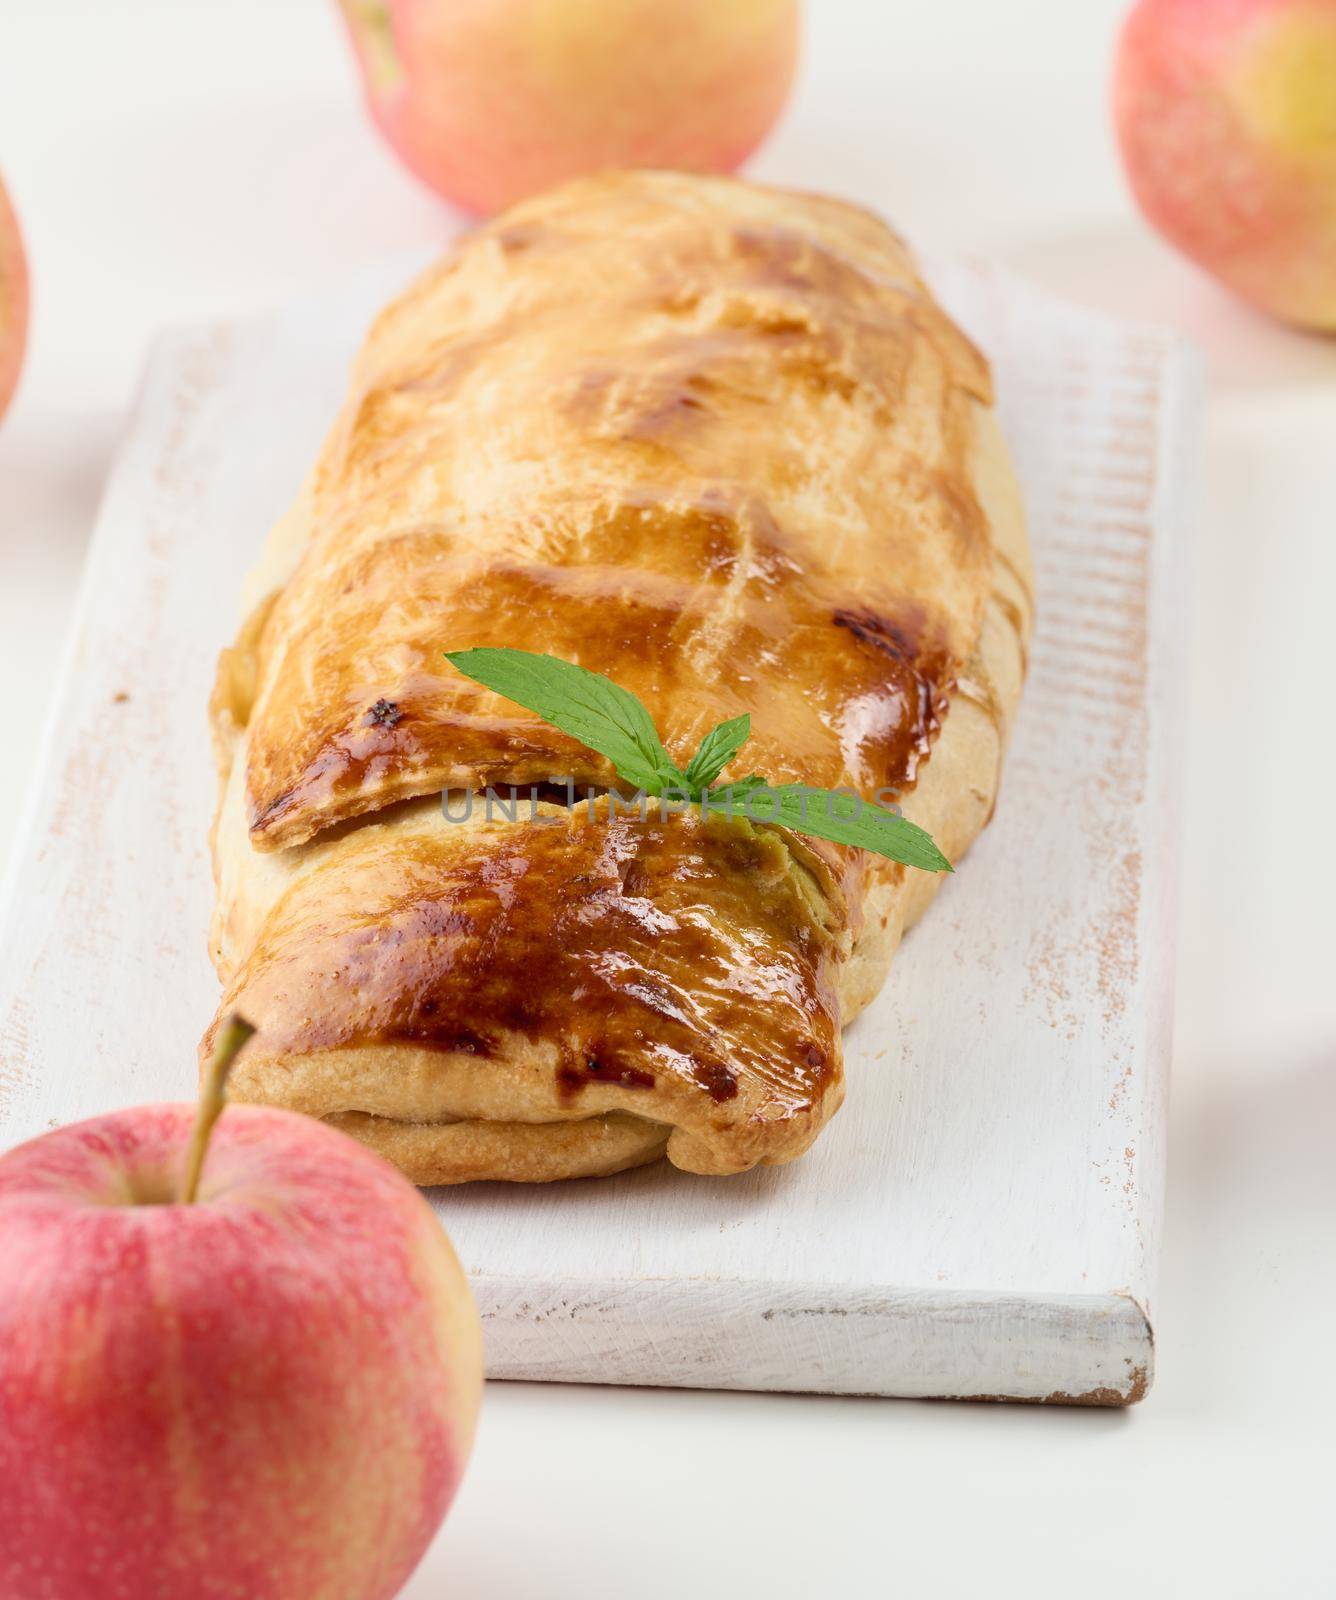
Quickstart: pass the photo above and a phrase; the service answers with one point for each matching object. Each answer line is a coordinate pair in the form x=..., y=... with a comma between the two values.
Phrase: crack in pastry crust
x=720, y=443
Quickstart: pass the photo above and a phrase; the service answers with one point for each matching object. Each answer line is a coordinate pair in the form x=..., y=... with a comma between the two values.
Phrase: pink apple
x=490, y=100
x=269, y=1393
x=1226, y=115
x=13, y=300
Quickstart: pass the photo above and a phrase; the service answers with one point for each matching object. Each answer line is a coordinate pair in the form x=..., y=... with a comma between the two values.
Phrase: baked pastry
x=719, y=443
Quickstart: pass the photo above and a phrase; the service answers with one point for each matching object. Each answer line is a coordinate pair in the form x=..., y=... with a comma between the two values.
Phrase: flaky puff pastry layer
x=719, y=443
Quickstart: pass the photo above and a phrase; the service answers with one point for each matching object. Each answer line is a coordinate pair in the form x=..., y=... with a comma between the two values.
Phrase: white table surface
x=173, y=160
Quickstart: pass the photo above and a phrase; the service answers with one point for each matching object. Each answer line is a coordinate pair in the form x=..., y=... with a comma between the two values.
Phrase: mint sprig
x=612, y=721
x=588, y=706
x=717, y=749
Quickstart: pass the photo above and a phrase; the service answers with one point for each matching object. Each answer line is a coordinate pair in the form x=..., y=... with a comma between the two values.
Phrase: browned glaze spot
x=920, y=687
x=716, y=1079
x=425, y=1024
x=571, y=1079
x=384, y=714
x=891, y=638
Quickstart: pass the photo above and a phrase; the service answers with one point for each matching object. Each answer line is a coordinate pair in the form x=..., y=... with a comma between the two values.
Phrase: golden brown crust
x=679, y=970
x=714, y=436
x=957, y=786
x=720, y=443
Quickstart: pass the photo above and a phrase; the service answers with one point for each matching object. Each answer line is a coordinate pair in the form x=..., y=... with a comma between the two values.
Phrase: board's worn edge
x=39, y=865
x=1170, y=626
x=46, y=771
x=1085, y=1350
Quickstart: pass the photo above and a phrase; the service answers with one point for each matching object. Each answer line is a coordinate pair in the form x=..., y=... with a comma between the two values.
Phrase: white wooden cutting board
x=983, y=1216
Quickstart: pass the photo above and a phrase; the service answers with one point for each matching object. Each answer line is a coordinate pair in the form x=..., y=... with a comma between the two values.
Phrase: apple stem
x=212, y=1097
x=371, y=24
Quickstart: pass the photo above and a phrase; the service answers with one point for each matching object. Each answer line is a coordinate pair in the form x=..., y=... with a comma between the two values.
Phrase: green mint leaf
x=612, y=721
x=717, y=749
x=733, y=794
x=844, y=818
x=586, y=705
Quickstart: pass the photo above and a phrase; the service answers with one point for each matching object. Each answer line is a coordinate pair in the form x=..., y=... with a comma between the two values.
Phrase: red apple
x=490, y=100
x=13, y=300
x=1226, y=115
x=269, y=1392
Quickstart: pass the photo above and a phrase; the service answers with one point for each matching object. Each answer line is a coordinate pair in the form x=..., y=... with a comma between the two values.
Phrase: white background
x=191, y=157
